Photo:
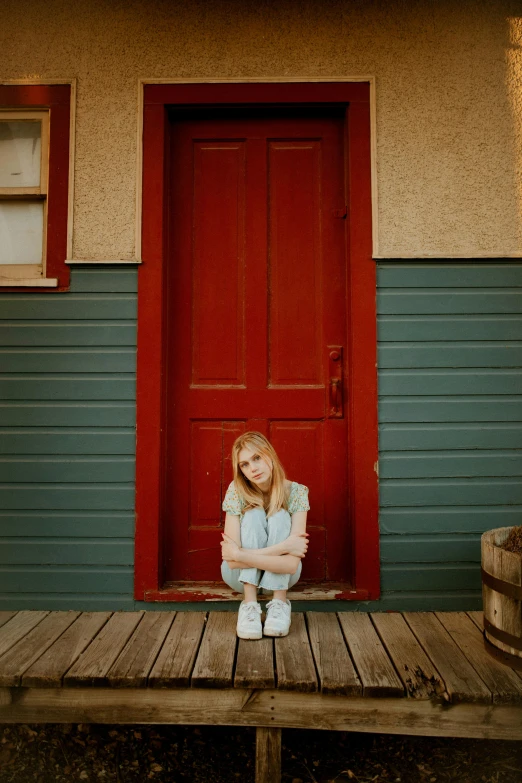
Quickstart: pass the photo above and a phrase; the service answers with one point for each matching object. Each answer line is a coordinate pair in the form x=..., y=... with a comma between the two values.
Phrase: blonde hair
x=247, y=491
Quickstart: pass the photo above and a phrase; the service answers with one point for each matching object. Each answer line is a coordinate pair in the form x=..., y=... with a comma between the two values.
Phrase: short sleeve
x=298, y=500
x=231, y=502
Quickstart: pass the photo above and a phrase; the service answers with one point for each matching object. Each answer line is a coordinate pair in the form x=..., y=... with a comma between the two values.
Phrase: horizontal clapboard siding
x=450, y=423
x=67, y=444
x=45, y=579
x=53, y=551
x=450, y=435
x=67, y=440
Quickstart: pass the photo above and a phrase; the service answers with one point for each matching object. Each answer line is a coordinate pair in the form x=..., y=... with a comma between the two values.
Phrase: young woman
x=265, y=535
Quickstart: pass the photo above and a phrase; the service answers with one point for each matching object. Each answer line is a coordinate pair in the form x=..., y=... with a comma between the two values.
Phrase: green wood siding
x=67, y=444
x=450, y=422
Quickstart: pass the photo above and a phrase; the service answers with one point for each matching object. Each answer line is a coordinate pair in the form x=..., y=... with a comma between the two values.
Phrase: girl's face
x=255, y=467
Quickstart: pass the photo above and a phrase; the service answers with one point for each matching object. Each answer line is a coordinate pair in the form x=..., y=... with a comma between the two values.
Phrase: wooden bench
x=401, y=673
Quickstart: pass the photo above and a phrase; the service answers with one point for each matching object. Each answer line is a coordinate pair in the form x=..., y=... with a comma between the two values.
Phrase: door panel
x=218, y=264
x=294, y=232
x=257, y=294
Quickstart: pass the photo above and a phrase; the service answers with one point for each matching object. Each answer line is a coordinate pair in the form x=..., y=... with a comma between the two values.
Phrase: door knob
x=335, y=385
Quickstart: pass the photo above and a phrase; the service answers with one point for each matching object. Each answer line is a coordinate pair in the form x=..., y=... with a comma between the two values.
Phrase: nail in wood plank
x=375, y=669
x=214, y=665
x=175, y=661
x=462, y=681
x=93, y=664
x=132, y=667
x=32, y=646
x=501, y=680
x=294, y=660
x=255, y=664
x=18, y=627
x=48, y=671
x=421, y=679
x=335, y=668
x=268, y=755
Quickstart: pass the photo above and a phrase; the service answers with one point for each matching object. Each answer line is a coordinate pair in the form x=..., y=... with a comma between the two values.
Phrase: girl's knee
x=231, y=577
x=226, y=572
x=253, y=530
x=280, y=517
x=294, y=578
x=280, y=524
x=254, y=516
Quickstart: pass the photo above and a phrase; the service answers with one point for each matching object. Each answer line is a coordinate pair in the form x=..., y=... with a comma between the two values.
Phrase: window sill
x=95, y=261
x=28, y=282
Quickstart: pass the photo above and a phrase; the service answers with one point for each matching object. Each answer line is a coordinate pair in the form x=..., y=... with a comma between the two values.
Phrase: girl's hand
x=229, y=548
x=296, y=544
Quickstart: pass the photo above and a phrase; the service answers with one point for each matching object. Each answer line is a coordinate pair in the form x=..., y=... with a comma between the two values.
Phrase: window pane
x=20, y=151
x=21, y=232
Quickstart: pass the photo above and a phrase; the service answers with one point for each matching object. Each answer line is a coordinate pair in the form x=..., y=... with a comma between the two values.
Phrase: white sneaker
x=249, y=621
x=278, y=618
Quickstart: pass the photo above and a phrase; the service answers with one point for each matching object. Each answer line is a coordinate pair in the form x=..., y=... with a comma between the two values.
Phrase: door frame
x=152, y=326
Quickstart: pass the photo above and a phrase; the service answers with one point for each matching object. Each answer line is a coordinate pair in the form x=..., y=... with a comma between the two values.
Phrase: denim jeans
x=257, y=532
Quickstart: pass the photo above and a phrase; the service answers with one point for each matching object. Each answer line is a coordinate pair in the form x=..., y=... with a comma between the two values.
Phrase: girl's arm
x=278, y=564
x=232, y=530
x=275, y=558
x=232, y=526
x=295, y=544
x=298, y=523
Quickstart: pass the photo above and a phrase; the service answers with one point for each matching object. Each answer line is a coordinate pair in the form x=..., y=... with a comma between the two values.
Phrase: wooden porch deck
x=405, y=673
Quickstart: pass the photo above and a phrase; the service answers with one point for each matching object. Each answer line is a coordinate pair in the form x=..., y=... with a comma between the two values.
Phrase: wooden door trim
x=152, y=318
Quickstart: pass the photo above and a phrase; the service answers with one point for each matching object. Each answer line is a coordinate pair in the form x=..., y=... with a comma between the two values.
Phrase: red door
x=257, y=326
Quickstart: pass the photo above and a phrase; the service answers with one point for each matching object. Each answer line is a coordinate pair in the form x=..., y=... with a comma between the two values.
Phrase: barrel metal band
x=500, y=586
x=503, y=636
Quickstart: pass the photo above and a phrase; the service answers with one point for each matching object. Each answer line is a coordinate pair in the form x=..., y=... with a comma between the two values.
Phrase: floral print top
x=297, y=501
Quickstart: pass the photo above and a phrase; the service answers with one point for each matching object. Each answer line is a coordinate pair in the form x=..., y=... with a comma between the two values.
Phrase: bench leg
x=268, y=755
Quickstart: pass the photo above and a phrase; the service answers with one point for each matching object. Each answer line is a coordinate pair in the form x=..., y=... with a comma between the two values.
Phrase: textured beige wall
x=448, y=89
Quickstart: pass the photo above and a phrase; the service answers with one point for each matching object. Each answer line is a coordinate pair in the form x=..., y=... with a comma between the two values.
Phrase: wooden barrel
x=502, y=592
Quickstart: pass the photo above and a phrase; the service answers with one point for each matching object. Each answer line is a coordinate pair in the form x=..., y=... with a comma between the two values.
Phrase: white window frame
x=30, y=274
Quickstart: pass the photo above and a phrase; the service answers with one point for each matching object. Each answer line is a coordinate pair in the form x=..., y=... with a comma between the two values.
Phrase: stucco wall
x=448, y=86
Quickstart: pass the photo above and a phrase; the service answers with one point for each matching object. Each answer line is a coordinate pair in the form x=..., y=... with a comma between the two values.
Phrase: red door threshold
x=214, y=591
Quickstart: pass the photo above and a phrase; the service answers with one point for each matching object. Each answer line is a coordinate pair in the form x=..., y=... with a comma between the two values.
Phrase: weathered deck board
x=132, y=667
x=336, y=671
x=415, y=654
x=255, y=664
x=214, y=665
x=271, y=684
x=49, y=669
x=462, y=681
x=478, y=619
x=175, y=662
x=18, y=627
x=501, y=681
x=376, y=671
x=5, y=616
x=93, y=664
x=294, y=661
x=420, y=677
x=28, y=649
x=278, y=708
